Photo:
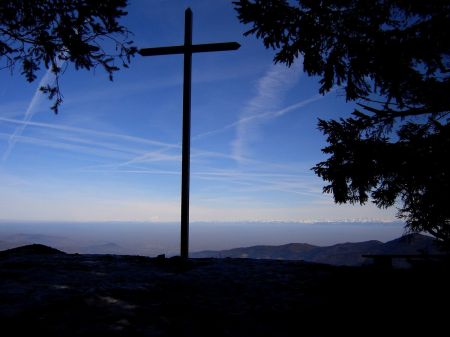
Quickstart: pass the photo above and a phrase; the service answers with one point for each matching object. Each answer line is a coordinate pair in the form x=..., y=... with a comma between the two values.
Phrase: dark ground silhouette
x=43, y=291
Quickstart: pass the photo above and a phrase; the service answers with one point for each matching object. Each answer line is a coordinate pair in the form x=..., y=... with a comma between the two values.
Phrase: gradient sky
x=113, y=152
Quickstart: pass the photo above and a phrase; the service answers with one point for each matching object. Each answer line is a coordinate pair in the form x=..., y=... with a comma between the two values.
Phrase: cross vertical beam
x=187, y=49
x=186, y=147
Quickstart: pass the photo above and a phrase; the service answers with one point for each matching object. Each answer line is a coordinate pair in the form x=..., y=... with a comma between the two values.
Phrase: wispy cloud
x=31, y=110
x=250, y=182
x=269, y=95
x=153, y=156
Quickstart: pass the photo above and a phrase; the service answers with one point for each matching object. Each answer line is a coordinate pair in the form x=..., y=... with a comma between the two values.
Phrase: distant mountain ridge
x=61, y=243
x=343, y=254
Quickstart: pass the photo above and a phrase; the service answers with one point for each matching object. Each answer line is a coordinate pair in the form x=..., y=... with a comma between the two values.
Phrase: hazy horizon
x=153, y=238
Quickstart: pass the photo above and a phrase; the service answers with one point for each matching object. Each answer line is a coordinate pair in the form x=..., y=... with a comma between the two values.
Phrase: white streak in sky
x=270, y=91
x=91, y=132
x=28, y=114
x=267, y=115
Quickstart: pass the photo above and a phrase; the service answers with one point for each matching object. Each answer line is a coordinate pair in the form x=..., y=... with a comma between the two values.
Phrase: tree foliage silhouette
x=393, y=58
x=54, y=33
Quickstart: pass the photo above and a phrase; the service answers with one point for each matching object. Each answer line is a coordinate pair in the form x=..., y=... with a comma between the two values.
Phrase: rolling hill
x=343, y=254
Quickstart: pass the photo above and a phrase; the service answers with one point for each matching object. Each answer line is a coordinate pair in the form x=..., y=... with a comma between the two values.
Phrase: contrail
x=90, y=132
x=271, y=89
x=28, y=114
x=269, y=114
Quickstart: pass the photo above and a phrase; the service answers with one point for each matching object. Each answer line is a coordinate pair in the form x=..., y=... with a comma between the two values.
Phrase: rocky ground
x=49, y=293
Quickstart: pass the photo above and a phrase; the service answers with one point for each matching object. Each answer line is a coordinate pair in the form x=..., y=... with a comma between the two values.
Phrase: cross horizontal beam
x=196, y=48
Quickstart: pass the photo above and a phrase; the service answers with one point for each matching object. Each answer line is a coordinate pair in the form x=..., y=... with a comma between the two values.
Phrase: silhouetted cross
x=187, y=49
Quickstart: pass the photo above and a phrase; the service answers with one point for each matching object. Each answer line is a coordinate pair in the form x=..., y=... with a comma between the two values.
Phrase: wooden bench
x=385, y=260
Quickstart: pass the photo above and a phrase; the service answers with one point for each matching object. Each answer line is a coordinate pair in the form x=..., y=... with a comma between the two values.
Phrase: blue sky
x=113, y=152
